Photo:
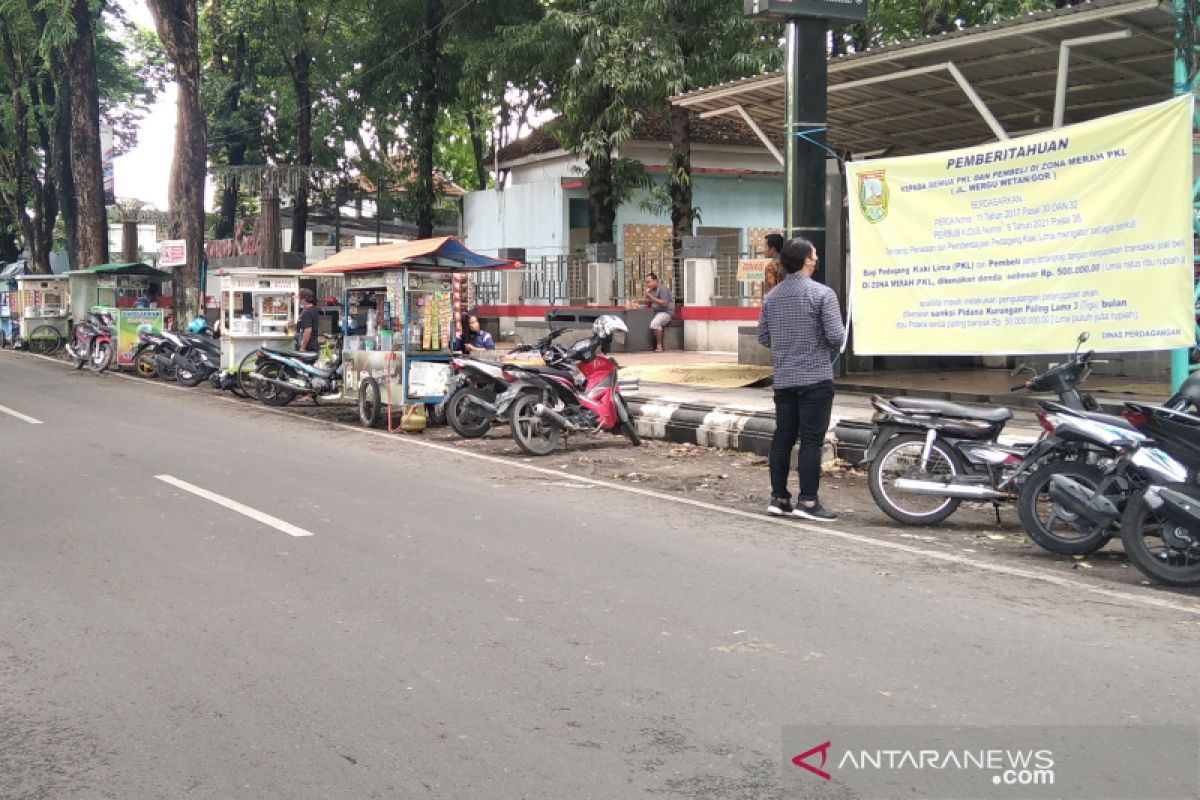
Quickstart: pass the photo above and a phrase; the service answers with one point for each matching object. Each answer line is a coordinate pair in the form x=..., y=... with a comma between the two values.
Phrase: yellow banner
x=752, y=269
x=1018, y=246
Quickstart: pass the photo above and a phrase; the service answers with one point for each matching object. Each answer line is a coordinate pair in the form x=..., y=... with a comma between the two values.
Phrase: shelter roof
x=915, y=96
x=133, y=268
x=444, y=253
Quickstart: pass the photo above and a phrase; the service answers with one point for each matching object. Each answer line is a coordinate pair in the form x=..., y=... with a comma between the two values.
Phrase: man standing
x=801, y=323
x=659, y=299
x=773, y=273
x=306, y=328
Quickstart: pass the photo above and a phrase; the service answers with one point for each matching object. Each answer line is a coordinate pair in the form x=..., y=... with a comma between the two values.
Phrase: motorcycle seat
x=948, y=409
x=543, y=370
x=299, y=355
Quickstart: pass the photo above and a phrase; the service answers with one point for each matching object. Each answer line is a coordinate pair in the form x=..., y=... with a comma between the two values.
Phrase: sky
x=144, y=172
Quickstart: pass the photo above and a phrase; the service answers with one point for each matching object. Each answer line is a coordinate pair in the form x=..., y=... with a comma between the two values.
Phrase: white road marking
x=1040, y=576
x=19, y=415
x=233, y=505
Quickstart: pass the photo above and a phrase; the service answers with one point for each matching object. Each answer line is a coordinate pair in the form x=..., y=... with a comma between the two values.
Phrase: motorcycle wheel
x=467, y=419
x=1052, y=527
x=900, y=458
x=1141, y=533
x=627, y=425
x=269, y=393
x=370, y=406
x=143, y=364
x=102, y=356
x=189, y=375
x=528, y=431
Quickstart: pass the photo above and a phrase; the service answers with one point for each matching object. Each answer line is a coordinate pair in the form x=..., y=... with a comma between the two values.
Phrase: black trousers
x=800, y=412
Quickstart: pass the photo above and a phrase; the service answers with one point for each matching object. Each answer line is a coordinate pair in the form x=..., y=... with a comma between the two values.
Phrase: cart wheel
x=243, y=385
x=44, y=340
x=370, y=404
x=435, y=414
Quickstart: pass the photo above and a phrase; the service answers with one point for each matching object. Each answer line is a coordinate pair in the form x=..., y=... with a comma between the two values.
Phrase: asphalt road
x=462, y=627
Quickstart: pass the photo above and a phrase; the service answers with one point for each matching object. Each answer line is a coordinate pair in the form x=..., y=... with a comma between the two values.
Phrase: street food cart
x=401, y=314
x=9, y=311
x=116, y=286
x=43, y=308
x=259, y=308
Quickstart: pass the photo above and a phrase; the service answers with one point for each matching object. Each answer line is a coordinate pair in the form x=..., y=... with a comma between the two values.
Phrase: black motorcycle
x=481, y=392
x=1160, y=527
x=198, y=357
x=927, y=456
x=1072, y=504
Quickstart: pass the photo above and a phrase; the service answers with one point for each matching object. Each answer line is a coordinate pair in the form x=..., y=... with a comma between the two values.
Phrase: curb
x=1109, y=404
x=726, y=427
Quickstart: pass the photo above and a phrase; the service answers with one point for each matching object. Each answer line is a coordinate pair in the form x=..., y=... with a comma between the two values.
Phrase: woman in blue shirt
x=476, y=339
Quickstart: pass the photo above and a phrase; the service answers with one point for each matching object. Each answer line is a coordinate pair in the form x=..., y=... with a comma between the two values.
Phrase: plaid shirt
x=801, y=323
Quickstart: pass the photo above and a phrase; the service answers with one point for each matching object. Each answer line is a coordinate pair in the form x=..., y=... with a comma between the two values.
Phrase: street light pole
x=804, y=129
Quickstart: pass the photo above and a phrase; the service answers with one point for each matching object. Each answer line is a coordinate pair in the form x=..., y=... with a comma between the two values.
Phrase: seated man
x=659, y=299
x=476, y=339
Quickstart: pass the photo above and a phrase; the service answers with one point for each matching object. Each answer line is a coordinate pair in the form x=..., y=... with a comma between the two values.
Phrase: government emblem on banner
x=873, y=195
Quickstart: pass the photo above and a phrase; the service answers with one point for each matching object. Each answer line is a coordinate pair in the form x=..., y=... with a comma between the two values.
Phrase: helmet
x=198, y=325
x=607, y=325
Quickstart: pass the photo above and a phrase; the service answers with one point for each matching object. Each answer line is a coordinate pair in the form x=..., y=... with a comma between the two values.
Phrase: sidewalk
x=744, y=419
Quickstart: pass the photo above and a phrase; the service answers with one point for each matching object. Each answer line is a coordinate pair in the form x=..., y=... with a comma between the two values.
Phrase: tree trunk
x=603, y=215
x=9, y=252
x=60, y=169
x=236, y=140
x=679, y=181
x=270, y=232
x=91, y=219
x=302, y=83
x=478, y=148
x=427, y=117
x=176, y=21
x=129, y=241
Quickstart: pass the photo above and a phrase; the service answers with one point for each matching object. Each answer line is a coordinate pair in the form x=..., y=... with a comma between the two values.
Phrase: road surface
x=203, y=598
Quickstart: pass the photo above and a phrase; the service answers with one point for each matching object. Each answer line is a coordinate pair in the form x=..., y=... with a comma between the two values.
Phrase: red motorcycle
x=92, y=343
x=578, y=394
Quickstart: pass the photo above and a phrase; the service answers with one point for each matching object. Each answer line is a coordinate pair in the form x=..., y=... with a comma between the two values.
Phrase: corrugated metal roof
x=902, y=99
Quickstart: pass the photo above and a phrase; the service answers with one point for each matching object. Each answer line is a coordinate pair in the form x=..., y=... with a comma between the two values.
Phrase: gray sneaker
x=816, y=513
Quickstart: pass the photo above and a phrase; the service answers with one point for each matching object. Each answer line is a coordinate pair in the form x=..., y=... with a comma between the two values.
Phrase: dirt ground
x=740, y=480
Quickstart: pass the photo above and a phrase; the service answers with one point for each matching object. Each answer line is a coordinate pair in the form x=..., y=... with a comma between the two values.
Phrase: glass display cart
x=43, y=307
x=401, y=320
x=259, y=308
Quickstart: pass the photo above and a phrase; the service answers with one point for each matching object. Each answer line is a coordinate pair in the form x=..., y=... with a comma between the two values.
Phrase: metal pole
x=1185, y=57
x=804, y=156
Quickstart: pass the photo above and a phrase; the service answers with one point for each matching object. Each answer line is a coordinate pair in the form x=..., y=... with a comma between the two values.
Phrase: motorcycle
x=92, y=343
x=1160, y=525
x=927, y=456
x=581, y=394
x=481, y=392
x=153, y=356
x=1071, y=505
x=198, y=357
x=281, y=376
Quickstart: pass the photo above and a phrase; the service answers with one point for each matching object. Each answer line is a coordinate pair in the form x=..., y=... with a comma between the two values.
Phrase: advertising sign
x=129, y=320
x=172, y=253
x=1019, y=246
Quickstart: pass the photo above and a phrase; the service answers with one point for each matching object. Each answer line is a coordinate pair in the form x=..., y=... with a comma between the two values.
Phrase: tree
x=603, y=68
x=91, y=219
x=702, y=43
x=177, y=22
x=27, y=143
